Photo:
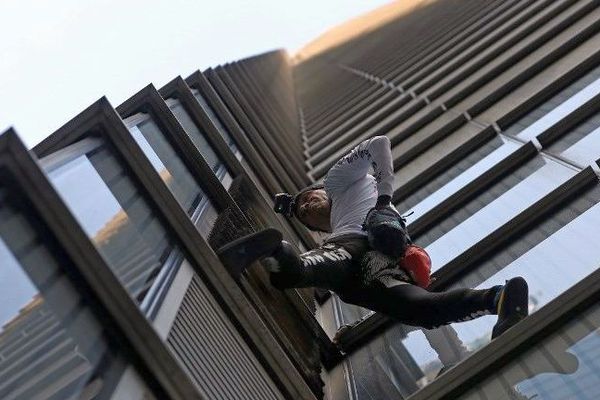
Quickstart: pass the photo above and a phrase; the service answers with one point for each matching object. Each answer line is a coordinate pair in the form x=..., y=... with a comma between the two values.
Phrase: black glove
x=386, y=230
x=383, y=201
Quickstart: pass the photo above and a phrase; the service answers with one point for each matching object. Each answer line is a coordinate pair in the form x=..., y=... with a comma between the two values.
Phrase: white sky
x=59, y=56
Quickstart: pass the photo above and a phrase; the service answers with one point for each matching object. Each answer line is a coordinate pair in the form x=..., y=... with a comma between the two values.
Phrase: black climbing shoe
x=512, y=305
x=236, y=256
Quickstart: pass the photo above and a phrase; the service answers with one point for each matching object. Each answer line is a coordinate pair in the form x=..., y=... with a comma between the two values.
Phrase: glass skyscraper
x=109, y=282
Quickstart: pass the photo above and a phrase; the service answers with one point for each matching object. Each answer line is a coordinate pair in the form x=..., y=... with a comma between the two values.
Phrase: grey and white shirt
x=353, y=190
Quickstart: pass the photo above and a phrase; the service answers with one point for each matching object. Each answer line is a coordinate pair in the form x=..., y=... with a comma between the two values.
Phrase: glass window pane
x=115, y=216
x=551, y=266
x=51, y=345
x=494, y=208
x=148, y=262
x=582, y=143
x=349, y=313
x=586, y=151
x=552, y=256
x=563, y=366
x=175, y=174
x=217, y=123
x=394, y=365
x=201, y=143
x=557, y=107
x=459, y=175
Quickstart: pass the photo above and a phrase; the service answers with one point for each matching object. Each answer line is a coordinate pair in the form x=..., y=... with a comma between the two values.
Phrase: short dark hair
x=317, y=186
x=287, y=204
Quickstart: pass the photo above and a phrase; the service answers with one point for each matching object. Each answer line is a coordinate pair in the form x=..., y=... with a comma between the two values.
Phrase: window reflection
x=495, y=207
x=51, y=345
x=174, y=173
x=460, y=175
x=350, y=313
x=217, y=123
x=148, y=263
x=586, y=151
x=201, y=143
x=15, y=287
x=114, y=215
x=394, y=365
x=551, y=267
x=582, y=143
x=557, y=107
x=562, y=367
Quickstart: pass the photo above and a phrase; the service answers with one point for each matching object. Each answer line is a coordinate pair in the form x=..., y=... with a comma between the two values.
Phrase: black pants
x=344, y=266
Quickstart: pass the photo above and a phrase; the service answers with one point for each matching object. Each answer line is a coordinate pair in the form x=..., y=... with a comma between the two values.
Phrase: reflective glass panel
x=563, y=366
x=458, y=176
x=116, y=217
x=586, y=151
x=492, y=210
x=350, y=313
x=146, y=260
x=217, y=123
x=201, y=143
x=51, y=344
x=581, y=144
x=557, y=107
x=394, y=365
x=555, y=262
x=175, y=174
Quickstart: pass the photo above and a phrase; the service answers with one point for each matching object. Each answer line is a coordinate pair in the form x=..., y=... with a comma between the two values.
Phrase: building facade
x=111, y=287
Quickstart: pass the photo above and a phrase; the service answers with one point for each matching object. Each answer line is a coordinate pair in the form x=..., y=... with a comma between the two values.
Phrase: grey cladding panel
x=212, y=351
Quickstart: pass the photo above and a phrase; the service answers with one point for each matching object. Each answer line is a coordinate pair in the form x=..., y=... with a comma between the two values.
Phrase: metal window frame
x=406, y=73
x=101, y=119
x=574, y=118
x=520, y=156
x=485, y=102
x=179, y=90
x=172, y=255
x=441, y=165
x=149, y=101
x=260, y=108
x=232, y=99
x=199, y=82
x=546, y=137
x=402, y=110
x=351, y=108
x=92, y=277
x=358, y=92
x=557, y=19
x=527, y=151
x=475, y=43
x=500, y=170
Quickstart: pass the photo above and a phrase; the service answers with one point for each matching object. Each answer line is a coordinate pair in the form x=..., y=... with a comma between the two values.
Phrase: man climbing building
x=368, y=258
